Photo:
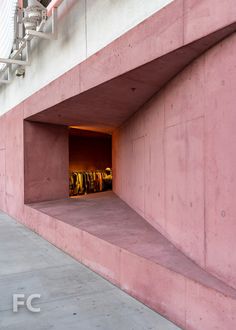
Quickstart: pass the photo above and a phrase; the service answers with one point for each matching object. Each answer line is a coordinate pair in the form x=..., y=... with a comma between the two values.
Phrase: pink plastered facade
x=165, y=90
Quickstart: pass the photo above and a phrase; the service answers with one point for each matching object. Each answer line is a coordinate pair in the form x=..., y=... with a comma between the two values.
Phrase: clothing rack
x=85, y=182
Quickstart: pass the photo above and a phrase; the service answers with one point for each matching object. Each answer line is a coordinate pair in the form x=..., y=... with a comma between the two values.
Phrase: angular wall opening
x=62, y=162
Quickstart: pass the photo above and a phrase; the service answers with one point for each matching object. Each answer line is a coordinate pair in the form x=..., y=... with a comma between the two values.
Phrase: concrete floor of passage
x=72, y=296
x=106, y=216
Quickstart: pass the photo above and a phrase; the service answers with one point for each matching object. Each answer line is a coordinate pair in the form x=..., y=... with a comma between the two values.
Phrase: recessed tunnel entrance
x=62, y=161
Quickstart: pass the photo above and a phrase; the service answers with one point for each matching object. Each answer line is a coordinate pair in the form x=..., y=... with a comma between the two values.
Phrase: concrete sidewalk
x=72, y=296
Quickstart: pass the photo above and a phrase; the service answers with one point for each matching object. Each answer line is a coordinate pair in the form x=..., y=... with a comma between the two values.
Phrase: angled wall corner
x=186, y=162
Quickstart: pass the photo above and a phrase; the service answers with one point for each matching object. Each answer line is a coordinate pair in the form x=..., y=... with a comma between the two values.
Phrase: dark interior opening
x=90, y=162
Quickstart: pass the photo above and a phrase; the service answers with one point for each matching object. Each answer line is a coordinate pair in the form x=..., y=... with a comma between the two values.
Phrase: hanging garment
x=91, y=182
x=100, y=182
x=80, y=182
x=85, y=182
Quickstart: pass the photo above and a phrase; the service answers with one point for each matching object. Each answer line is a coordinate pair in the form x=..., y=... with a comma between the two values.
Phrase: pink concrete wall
x=11, y=163
x=2, y=163
x=46, y=162
x=174, y=161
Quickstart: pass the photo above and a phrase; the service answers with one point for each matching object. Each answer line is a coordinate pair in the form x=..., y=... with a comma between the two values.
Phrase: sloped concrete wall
x=174, y=161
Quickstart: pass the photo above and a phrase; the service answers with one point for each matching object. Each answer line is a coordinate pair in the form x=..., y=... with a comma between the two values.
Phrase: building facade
x=158, y=78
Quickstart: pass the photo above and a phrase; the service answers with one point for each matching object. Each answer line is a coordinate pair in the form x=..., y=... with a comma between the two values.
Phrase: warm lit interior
x=90, y=162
